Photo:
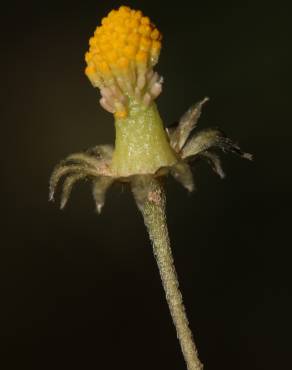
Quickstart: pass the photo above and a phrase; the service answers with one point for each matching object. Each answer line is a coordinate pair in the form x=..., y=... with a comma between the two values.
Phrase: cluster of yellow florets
x=125, y=42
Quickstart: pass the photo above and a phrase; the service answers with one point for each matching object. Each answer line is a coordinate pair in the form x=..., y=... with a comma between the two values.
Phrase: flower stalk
x=152, y=207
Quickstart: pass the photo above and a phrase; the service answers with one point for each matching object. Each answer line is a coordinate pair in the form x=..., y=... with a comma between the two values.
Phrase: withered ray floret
x=94, y=163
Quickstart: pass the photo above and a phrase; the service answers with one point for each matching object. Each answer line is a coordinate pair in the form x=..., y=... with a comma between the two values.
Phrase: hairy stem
x=151, y=202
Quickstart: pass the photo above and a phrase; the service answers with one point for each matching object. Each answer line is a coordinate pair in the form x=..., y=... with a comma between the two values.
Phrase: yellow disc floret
x=125, y=40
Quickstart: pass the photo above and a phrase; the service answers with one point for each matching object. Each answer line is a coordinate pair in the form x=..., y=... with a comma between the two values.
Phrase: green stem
x=151, y=202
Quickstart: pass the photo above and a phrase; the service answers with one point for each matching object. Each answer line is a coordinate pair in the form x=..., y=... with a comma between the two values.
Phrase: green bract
x=141, y=145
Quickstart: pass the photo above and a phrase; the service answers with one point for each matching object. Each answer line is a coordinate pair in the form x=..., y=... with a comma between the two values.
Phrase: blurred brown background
x=82, y=291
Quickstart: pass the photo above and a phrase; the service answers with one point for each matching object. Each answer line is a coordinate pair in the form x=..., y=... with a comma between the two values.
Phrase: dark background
x=82, y=291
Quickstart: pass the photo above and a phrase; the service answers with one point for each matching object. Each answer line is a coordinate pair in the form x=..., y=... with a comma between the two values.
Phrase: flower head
x=120, y=60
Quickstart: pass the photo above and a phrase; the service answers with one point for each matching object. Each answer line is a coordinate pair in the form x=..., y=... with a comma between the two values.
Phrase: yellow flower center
x=121, y=57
